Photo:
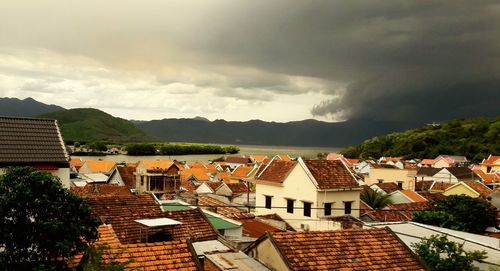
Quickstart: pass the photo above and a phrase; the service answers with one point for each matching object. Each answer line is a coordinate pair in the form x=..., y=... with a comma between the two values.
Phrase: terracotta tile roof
x=242, y=171
x=388, y=187
x=157, y=164
x=351, y=161
x=209, y=167
x=334, y=156
x=432, y=196
x=238, y=160
x=413, y=196
x=331, y=174
x=276, y=171
x=214, y=185
x=201, y=174
x=428, y=161
x=188, y=186
x=364, y=208
x=493, y=234
x=256, y=228
x=440, y=186
x=107, y=235
x=353, y=249
x=127, y=174
x=238, y=188
x=104, y=166
x=391, y=159
x=173, y=255
x=284, y=157
x=27, y=140
x=491, y=160
x=76, y=163
x=258, y=158
x=223, y=176
x=423, y=185
x=493, y=177
x=224, y=209
x=121, y=211
x=480, y=188
x=99, y=190
x=407, y=209
x=277, y=218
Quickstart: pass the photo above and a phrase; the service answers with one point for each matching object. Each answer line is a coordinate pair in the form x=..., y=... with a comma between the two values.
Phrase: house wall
x=441, y=163
x=388, y=175
x=117, y=179
x=300, y=188
x=266, y=253
x=494, y=167
x=61, y=173
x=224, y=191
x=204, y=189
x=495, y=199
x=444, y=176
x=460, y=190
x=297, y=186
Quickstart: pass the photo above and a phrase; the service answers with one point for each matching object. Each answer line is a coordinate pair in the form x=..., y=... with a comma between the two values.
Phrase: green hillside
x=88, y=125
x=474, y=138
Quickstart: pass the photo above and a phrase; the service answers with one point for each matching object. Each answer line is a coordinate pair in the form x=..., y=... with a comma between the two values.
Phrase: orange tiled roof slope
x=172, y=255
x=479, y=188
x=100, y=165
x=201, y=174
x=224, y=209
x=99, y=190
x=276, y=171
x=331, y=174
x=238, y=188
x=122, y=211
x=127, y=174
x=241, y=171
x=76, y=163
x=238, y=160
x=352, y=249
x=415, y=197
x=491, y=160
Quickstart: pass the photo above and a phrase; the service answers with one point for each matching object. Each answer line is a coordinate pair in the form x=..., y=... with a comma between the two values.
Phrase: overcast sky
x=270, y=60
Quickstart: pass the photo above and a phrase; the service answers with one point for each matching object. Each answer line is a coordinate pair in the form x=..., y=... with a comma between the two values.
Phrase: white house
x=307, y=189
x=36, y=143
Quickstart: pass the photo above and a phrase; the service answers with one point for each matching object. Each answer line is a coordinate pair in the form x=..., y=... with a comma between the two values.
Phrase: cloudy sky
x=270, y=60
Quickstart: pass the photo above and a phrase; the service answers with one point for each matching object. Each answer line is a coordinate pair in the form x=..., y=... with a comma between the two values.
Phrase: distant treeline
x=179, y=149
x=473, y=138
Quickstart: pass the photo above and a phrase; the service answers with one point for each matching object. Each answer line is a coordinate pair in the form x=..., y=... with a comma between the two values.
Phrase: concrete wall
x=266, y=253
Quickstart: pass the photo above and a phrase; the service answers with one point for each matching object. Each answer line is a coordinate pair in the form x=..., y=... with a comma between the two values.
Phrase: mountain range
x=88, y=124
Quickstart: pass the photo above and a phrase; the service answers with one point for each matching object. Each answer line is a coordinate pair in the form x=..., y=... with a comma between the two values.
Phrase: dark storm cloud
x=395, y=60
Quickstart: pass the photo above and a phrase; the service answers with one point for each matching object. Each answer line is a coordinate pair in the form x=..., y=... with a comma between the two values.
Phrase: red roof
x=277, y=171
x=352, y=249
x=224, y=209
x=238, y=188
x=479, y=188
x=99, y=190
x=388, y=187
x=491, y=160
x=331, y=174
x=255, y=228
x=242, y=171
x=413, y=196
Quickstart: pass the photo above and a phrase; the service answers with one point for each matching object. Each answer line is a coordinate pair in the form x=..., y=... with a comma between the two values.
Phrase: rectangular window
x=142, y=180
x=289, y=206
x=400, y=185
x=328, y=209
x=347, y=207
x=268, y=202
x=307, y=209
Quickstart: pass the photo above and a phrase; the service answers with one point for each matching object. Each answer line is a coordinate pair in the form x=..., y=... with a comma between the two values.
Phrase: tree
x=441, y=254
x=374, y=199
x=459, y=212
x=41, y=221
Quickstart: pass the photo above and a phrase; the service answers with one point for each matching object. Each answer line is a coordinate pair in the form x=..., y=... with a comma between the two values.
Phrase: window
x=328, y=208
x=156, y=183
x=289, y=206
x=307, y=209
x=268, y=201
x=347, y=207
x=142, y=180
x=380, y=180
x=400, y=185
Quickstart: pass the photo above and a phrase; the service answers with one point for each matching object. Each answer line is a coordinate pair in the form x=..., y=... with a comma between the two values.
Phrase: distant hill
x=88, y=124
x=25, y=108
x=473, y=138
x=257, y=132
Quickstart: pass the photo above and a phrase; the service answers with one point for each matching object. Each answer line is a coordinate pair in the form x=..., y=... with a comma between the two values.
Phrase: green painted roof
x=174, y=207
x=221, y=224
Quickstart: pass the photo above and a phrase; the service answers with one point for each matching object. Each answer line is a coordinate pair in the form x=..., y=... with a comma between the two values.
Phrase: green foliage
x=474, y=138
x=41, y=221
x=97, y=146
x=376, y=200
x=441, y=254
x=89, y=125
x=141, y=149
x=459, y=212
x=184, y=149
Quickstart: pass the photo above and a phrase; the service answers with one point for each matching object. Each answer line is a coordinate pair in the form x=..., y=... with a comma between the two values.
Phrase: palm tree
x=376, y=200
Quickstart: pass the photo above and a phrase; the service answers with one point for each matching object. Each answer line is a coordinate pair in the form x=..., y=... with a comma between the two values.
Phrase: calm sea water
x=305, y=152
